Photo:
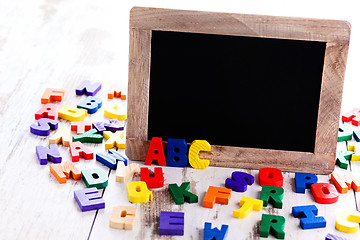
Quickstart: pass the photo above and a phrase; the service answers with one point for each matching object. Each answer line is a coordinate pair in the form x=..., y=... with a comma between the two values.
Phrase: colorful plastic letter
x=52, y=154
x=77, y=150
x=111, y=158
x=348, y=221
x=156, y=152
x=272, y=224
x=89, y=199
x=171, y=223
x=63, y=172
x=356, y=135
x=195, y=148
x=155, y=181
x=123, y=173
x=334, y=237
x=91, y=104
x=95, y=178
x=346, y=181
x=114, y=125
x=115, y=139
x=90, y=136
x=123, y=217
x=247, y=205
x=273, y=195
x=115, y=111
x=72, y=114
x=216, y=195
x=47, y=111
x=63, y=135
x=138, y=192
x=354, y=147
x=99, y=126
x=176, y=153
x=239, y=181
x=182, y=194
x=52, y=94
x=116, y=91
x=342, y=158
x=324, y=193
x=353, y=116
x=307, y=215
x=344, y=133
x=43, y=126
x=271, y=177
x=215, y=233
x=304, y=180
x=81, y=127
x=90, y=89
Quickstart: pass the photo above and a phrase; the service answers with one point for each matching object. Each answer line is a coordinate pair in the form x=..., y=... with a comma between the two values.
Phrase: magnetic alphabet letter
x=47, y=111
x=195, y=148
x=215, y=233
x=307, y=215
x=171, y=223
x=52, y=94
x=324, y=193
x=95, y=178
x=216, y=195
x=353, y=116
x=176, y=153
x=348, y=221
x=138, y=192
x=271, y=177
x=90, y=89
x=63, y=172
x=111, y=158
x=247, y=205
x=304, y=180
x=123, y=217
x=77, y=150
x=273, y=195
x=91, y=104
x=89, y=199
x=272, y=224
x=155, y=181
x=182, y=194
x=156, y=152
x=43, y=126
x=239, y=181
x=52, y=154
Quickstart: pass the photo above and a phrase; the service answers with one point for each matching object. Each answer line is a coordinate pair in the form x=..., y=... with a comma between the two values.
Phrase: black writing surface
x=235, y=91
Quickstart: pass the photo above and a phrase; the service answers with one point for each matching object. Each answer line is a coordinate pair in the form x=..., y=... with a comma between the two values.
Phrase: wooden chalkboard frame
x=335, y=33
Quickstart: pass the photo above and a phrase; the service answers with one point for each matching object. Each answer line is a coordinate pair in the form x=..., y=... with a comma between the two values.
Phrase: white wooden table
x=58, y=44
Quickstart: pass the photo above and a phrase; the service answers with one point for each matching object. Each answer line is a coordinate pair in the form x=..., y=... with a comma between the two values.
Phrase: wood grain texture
x=330, y=98
x=335, y=33
x=139, y=76
x=240, y=24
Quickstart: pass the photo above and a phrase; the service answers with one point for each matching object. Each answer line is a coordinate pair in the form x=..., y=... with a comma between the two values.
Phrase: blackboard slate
x=235, y=90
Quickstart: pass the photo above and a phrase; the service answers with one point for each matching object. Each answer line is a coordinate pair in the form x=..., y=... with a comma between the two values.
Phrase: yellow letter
x=114, y=111
x=72, y=114
x=113, y=139
x=347, y=221
x=247, y=205
x=138, y=192
x=195, y=148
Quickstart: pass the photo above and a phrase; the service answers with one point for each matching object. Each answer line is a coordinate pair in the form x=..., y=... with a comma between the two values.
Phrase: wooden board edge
x=240, y=24
x=330, y=98
x=249, y=158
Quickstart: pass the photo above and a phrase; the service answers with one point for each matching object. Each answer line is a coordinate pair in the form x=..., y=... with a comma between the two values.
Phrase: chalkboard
x=235, y=90
x=264, y=91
